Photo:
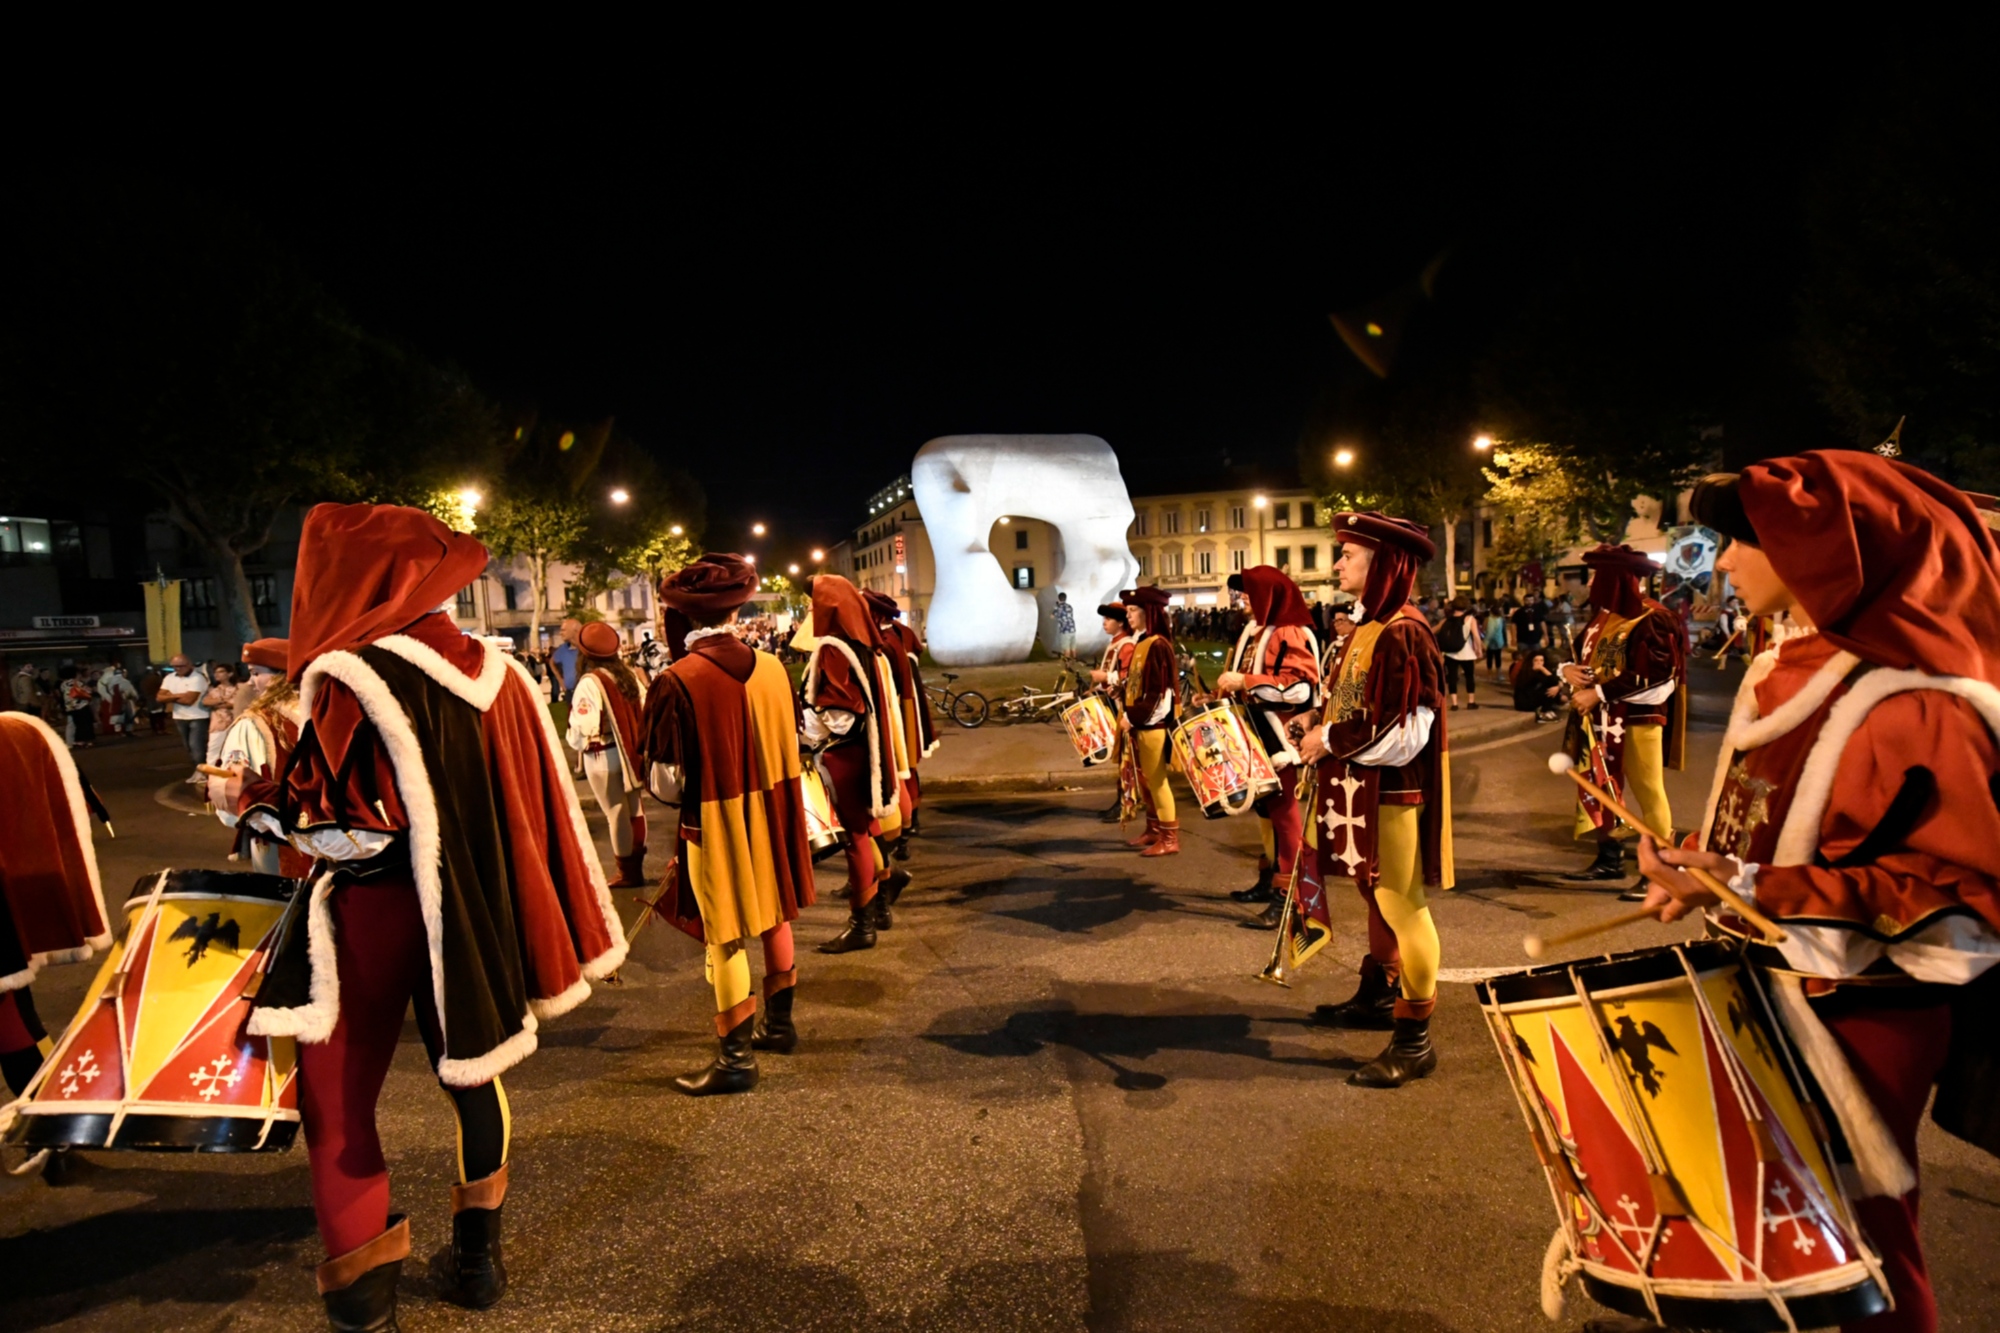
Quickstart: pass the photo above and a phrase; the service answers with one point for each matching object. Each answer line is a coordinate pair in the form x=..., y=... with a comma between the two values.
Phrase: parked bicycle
x=965, y=707
x=1032, y=705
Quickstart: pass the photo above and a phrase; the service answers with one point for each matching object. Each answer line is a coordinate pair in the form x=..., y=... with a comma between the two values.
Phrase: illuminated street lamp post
x=1260, y=504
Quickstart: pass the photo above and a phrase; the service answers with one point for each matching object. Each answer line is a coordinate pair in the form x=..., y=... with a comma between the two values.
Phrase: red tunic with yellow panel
x=428, y=779
x=1149, y=684
x=1278, y=657
x=844, y=724
x=723, y=715
x=1382, y=804
x=1856, y=785
x=51, y=902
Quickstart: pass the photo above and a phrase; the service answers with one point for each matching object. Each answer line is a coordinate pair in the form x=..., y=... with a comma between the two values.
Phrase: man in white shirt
x=183, y=690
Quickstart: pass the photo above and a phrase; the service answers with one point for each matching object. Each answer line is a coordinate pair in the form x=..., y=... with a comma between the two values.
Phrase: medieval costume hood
x=51, y=900
x=1615, y=581
x=1400, y=548
x=1274, y=599
x=369, y=571
x=839, y=610
x=1892, y=564
x=883, y=606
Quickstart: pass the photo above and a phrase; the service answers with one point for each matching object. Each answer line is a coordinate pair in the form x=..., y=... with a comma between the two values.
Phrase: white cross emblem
x=1637, y=1237
x=1798, y=1217
x=220, y=1074
x=1729, y=819
x=1614, y=730
x=1337, y=820
x=80, y=1073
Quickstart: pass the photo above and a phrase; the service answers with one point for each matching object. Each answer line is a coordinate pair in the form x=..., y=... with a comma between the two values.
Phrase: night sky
x=787, y=291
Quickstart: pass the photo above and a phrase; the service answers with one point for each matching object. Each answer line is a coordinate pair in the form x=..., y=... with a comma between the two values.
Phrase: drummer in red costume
x=1384, y=790
x=1108, y=675
x=1854, y=800
x=1274, y=673
x=428, y=778
x=1149, y=715
x=905, y=651
x=1628, y=717
x=51, y=902
x=855, y=740
x=604, y=732
x=723, y=730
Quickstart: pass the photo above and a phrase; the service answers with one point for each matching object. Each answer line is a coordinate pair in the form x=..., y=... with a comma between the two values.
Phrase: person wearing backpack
x=1459, y=639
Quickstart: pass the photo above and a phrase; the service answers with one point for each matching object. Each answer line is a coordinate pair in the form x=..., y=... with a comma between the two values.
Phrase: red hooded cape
x=51, y=902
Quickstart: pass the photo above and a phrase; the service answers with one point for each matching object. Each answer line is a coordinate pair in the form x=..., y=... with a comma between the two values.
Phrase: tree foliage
x=1544, y=505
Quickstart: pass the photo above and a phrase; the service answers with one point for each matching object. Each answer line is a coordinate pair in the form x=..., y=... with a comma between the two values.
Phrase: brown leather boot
x=359, y=1288
x=631, y=870
x=1169, y=840
x=476, y=1278
x=1149, y=837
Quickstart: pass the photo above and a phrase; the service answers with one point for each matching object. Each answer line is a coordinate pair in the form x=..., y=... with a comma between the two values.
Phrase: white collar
x=708, y=633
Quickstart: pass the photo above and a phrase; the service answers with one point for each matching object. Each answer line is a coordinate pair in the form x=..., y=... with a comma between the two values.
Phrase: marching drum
x=157, y=1057
x=822, y=824
x=1093, y=728
x=1224, y=763
x=1690, y=1169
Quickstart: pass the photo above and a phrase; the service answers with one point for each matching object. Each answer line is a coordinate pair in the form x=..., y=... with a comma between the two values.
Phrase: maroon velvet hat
x=881, y=604
x=714, y=585
x=1623, y=559
x=598, y=639
x=1151, y=596
x=1377, y=530
x=271, y=654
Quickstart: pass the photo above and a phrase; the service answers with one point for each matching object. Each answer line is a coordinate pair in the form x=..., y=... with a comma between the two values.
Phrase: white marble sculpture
x=964, y=484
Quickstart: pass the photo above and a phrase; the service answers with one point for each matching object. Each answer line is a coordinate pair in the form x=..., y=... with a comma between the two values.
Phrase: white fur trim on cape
x=79, y=814
x=1748, y=731
x=1880, y=1169
x=312, y=1022
x=613, y=958
x=873, y=723
x=480, y=691
x=1799, y=840
x=558, y=1005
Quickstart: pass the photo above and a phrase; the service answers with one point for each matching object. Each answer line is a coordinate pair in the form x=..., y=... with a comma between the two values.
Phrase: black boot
x=1268, y=919
x=475, y=1277
x=901, y=851
x=1113, y=813
x=881, y=913
x=735, y=1070
x=359, y=1288
x=1371, y=1008
x=1261, y=891
x=1409, y=1055
x=774, y=1030
x=860, y=932
x=892, y=887
x=1609, y=865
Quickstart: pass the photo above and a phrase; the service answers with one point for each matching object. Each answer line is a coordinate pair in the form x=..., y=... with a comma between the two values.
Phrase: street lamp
x=1483, y=443
x=675, y=530
x=792, y=569
x=470, y=496
x=756, y=529
x=1260, y=504
x=819, y=556
x=620, y=496
x=750, y=559
x=1343, y=458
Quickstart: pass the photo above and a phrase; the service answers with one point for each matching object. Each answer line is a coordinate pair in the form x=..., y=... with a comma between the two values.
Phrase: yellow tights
x=1645, y=783
x=1153, y=769
x=1399, y=893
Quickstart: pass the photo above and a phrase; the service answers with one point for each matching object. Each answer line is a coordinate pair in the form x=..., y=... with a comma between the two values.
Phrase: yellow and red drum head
x=1223, y=761
x=1677, y=1131
x=158, y=1056
x=1092, y=727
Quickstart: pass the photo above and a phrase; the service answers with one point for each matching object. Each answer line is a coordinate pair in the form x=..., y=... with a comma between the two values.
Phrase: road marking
x=1506, y=740
x=1472, y=974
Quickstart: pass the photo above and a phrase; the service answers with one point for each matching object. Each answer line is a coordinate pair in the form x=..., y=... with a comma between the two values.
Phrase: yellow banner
x=163, y=619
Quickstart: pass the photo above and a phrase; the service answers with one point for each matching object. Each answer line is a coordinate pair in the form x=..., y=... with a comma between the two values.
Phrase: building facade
x=1191, y=543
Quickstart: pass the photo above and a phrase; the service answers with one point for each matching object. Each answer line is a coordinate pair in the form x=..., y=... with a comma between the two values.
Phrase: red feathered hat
x=365, y=572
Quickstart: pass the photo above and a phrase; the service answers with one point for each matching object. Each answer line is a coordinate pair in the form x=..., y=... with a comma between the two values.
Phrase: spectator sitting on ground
x=1536, y=688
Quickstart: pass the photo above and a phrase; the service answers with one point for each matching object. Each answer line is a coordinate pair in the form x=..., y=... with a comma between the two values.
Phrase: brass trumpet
x=1275, y=971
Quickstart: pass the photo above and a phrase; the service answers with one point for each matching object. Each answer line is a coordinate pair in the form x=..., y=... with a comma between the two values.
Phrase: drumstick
x=1562, y=763
x=215, y=772
x=1535, y=946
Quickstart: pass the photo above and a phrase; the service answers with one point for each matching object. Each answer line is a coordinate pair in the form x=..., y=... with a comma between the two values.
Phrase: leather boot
x=476, y=1278
x=1113, y=813
x=735, y=1070
x=1149, y=837
x=631, y=870
x=359, y=1288
x=881, y=913
x=860, y=932
x=1260, y=892
x=1609, y=865
x=1371, y=1008
x=901, y=851
x=1409, y=1055
x=774, y=1030
x=892, y=887
x=1268, y=919
x=1169, y=841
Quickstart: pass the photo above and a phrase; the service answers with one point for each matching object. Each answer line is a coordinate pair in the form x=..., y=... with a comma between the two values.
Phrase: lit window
x=1201, y=523
x=1024, y=576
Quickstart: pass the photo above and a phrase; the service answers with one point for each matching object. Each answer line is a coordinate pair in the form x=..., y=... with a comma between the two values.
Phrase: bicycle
x=965, y=707
x=1032, y=705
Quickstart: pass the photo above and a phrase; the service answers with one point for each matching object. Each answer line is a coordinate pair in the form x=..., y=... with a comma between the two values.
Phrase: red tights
x=1288, y=831
x=384, y=965
x=847, y=774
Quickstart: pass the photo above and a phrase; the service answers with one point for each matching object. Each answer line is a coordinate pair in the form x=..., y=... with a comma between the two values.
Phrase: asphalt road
x=1054, y=1097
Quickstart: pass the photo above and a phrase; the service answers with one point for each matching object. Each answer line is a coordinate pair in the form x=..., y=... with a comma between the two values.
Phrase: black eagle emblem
x=204, y=933
x=1634, y=1042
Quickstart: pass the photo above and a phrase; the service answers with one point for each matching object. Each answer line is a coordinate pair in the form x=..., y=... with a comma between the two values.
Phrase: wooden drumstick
x=1535, y=946
x=1562, y=763
x=215, y=772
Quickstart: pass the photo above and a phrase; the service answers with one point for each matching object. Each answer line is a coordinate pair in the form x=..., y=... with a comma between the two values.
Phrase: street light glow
x=791, y=569
x=818, y=555
x=750, y=559
x=469, y=496
x=675, y=530
x=1004, y=520
x=1483, y=443
x=620, y=496
x=1259, y=502
x=1343, y=458
x=756, y=529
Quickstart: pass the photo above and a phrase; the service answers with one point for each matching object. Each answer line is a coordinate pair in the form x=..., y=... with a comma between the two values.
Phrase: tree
x=1546, y=506
x=543, y=530
x=174, y=344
